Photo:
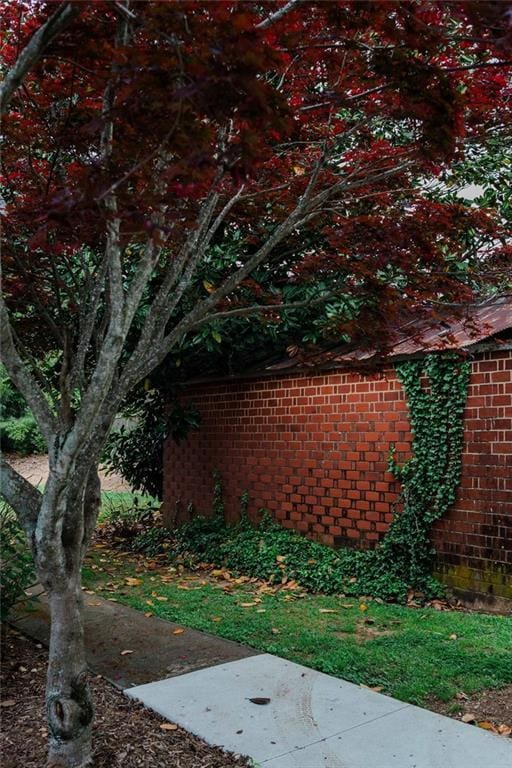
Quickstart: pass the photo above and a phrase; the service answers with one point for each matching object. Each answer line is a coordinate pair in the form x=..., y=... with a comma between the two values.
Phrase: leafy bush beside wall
x=137, y=452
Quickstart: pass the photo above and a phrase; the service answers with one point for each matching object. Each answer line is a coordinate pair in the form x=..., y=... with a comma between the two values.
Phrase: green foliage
x=152, y=542
x=218, y=496
x=18, y=429
x=266, y=551
x=436, y=389
x=22, y=435
x=16, y=565
x=136, y=452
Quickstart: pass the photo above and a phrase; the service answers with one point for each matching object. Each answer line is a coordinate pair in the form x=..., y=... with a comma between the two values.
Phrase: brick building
x=311, y=445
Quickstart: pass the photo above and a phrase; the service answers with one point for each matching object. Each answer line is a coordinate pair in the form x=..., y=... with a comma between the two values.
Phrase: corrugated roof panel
x=480, y=322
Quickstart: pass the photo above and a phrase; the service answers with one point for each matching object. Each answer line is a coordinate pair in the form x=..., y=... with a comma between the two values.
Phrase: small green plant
x=16, y=564
x=152, y=542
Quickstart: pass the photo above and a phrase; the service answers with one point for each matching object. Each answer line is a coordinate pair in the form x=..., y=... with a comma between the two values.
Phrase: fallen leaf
x=247, y=605
x=461, y=695
x=8, y=703
x=280, y=558
x=505, y=730
x=347, y=605
x=453, y=636
x=468, y=718
x=148, y=614
x=132, y=582
x=327, y=610
x=260, y=700
x=274, y=631
x=261, y=610
x=363, y=607
x=169, y=727
x=125, y=653
x=352, y=580
x=178, y=631
x=162, y=599
x=487, y=726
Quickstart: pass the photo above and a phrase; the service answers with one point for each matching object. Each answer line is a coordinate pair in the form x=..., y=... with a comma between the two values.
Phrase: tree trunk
x=68, y=700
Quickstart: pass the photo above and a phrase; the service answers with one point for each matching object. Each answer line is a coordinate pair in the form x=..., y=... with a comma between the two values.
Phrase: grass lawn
x=412, y=653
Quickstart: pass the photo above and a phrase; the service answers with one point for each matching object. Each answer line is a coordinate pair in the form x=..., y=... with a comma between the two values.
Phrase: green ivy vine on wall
x=436, y=389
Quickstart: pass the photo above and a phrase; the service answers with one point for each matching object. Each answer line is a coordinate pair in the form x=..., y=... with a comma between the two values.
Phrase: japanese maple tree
x=141, y=136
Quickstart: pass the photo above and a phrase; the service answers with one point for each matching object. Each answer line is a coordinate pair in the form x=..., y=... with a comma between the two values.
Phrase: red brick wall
x=313, y=450
x=474, y=541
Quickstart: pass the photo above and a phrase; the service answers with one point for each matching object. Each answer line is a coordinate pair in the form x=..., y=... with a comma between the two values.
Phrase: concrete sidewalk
x=303, y=719
x=315, y=720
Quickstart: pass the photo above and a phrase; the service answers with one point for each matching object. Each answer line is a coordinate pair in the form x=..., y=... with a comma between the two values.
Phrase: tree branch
x=34, y=49
x=21, y=495
x=290, y=5
x=254, y=309
x=22, y=378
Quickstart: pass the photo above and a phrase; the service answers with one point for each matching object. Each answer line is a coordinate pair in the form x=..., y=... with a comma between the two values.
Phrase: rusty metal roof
x=468, y=327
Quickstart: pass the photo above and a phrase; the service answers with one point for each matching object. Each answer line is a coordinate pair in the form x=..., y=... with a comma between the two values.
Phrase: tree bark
x=68, y=699
x=59, y=557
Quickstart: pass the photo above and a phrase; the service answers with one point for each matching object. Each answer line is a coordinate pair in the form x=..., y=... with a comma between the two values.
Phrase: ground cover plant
x=413, y=653
x=146, y=142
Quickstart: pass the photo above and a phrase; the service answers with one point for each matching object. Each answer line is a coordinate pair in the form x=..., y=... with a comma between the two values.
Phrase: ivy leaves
x=436, y=388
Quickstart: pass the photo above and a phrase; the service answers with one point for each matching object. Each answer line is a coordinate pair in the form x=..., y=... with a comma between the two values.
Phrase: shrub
x=22, y=435
x=137, y=452
x=18, y=428
x=16, y=565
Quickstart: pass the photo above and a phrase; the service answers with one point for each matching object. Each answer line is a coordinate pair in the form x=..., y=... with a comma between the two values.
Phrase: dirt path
x=35, y=469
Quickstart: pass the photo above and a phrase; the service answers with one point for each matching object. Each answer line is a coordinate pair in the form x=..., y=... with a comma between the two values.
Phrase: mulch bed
x=490, y=709
x=125, y=733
